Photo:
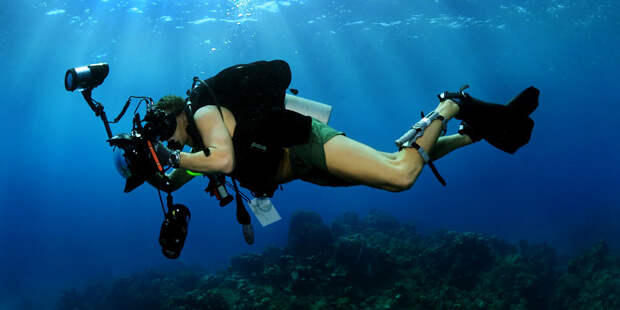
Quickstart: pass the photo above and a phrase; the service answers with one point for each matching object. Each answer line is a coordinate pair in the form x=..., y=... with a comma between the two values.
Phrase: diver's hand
x=167, y=156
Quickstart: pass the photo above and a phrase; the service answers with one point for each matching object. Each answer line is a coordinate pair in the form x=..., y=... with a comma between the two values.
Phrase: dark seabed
x=535, y=230
x=372, y=263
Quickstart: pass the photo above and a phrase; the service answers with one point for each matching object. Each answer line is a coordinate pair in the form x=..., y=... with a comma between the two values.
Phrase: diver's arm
x=216, y=137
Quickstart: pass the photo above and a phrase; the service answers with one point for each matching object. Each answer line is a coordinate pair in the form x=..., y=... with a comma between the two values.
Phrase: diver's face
x=178, y=139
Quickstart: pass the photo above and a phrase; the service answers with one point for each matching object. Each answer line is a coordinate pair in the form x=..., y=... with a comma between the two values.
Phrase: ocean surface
x=66, y=222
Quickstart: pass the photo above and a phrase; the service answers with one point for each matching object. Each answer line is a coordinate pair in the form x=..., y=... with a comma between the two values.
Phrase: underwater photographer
x=239, y=126
x=242, y=124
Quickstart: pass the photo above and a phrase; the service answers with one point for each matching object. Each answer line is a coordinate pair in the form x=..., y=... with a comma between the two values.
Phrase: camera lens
x=70, y=80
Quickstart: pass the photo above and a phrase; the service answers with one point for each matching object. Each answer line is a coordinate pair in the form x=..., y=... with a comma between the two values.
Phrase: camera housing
x=138, y=161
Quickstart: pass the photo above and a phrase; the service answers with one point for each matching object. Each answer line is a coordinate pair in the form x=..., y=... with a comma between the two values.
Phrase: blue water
x=65, y=220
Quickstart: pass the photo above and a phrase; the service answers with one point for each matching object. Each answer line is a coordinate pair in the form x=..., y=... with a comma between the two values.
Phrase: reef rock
x=308, y=235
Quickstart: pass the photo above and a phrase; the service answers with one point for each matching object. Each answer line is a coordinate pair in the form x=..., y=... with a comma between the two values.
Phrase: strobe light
x=86, y=77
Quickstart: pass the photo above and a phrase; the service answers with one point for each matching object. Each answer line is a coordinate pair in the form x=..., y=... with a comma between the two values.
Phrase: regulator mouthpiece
x=86, y=77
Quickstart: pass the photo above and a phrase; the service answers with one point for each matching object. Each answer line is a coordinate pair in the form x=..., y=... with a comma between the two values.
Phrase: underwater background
x=66, y=222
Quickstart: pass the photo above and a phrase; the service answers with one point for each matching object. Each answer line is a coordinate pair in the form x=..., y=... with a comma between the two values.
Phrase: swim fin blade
x=507, y=127
x=526, y=102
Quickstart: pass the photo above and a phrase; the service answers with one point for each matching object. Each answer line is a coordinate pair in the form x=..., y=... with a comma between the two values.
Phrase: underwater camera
x=134, y=152
x=135, y=157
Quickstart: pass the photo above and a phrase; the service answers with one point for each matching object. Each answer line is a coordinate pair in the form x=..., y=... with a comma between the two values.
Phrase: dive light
x=86, y=77
x=174, y=229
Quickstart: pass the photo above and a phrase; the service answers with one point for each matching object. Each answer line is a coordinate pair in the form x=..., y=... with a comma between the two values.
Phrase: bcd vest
x=254, y=93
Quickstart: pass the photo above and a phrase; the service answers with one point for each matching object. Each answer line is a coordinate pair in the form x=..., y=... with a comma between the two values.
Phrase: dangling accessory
x=174, y=228
x=417, y=131
x=265, y=212
x=243, y=217
x=217, y=188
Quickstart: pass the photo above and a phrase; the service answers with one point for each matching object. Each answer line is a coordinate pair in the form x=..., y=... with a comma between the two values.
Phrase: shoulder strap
x=213, y=97
x=192, y=129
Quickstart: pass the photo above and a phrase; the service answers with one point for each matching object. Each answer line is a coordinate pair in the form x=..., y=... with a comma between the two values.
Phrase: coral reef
x=592, y=281
x=373, y=263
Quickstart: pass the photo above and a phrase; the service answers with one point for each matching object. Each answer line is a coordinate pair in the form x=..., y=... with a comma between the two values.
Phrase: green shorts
x=308, y=160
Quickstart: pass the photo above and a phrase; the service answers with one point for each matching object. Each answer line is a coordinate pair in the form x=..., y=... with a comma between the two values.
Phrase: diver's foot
x=448, y=109
x=466, y=130
x=507, y=127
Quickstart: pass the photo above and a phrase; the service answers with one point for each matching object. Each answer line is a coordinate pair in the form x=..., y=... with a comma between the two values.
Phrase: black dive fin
x=507, y=127
x=526, y=102
x=513, y=134
x=517, y=128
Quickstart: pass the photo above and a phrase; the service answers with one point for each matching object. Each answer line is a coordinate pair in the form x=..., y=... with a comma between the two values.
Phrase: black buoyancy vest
x=254, y=93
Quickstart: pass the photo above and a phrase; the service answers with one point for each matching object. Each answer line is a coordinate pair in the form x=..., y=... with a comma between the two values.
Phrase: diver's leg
x=447, y=144
x=358, y=163
x=392, y=156
x=442, y=147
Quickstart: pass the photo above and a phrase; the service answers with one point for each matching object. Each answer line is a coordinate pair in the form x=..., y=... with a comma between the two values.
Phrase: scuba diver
x=236, y=124
x=242, y=124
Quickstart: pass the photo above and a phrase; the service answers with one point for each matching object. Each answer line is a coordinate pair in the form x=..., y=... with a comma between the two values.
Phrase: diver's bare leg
x=447, y=144
x=443, y=146
x=360, y=164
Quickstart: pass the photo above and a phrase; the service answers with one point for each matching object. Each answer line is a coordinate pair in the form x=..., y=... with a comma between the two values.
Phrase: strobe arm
x=98, y=109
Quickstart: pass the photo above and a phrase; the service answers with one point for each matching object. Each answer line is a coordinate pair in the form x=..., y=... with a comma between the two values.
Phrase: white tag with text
x=264, y=211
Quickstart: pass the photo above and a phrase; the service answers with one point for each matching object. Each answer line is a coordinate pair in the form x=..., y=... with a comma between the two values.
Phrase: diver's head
x=174, y=105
